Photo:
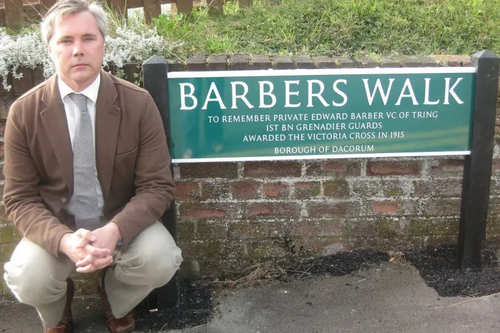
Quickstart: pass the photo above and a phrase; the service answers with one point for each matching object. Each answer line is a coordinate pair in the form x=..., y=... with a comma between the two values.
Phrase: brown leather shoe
x=66, y=323
x=115, y=325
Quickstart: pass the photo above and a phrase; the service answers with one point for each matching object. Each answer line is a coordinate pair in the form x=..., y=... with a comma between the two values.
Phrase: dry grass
x=261, y=273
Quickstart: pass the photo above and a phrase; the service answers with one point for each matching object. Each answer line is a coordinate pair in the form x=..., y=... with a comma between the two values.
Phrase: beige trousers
x=38, y=278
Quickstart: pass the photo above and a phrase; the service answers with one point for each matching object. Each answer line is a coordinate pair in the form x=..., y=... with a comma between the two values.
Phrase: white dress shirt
x=73, y=116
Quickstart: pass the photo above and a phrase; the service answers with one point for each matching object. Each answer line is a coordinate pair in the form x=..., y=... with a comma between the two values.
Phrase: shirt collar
x=90, y=92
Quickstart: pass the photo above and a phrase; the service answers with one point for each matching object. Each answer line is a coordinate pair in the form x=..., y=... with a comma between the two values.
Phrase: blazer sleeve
x=154, y=185
x=23, y=203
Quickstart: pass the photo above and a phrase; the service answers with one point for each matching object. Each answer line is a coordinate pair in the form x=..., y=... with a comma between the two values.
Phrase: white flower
x=130, y=45
x=26, y=50
x=124, y=45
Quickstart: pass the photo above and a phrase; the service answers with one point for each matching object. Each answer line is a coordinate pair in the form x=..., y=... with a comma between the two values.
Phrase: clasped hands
x=91, y=250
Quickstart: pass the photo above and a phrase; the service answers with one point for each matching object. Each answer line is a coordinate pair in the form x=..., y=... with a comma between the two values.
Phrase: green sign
x=299, y=114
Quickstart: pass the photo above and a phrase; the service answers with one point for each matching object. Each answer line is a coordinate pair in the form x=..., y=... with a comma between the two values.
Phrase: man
x=86, y=179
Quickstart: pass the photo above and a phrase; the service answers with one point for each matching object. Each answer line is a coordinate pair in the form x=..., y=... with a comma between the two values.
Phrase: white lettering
x=378, y=86
x=288, y=93
x=213, y=89
x=310, y=94
x=190, y=95
x=263, y=93
x=427, y=89
x=449, y=91
x=340, y=92
x=410, y=94
x=242, y=97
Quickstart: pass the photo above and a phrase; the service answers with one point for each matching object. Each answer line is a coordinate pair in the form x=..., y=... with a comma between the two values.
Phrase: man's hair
x=64, y=8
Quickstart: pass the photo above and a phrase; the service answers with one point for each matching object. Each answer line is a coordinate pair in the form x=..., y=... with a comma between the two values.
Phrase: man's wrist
x=116, y=231
x=62, y=243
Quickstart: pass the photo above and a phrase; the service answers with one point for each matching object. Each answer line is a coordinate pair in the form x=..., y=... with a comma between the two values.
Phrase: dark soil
x=336, y=265
x=437, y=266
x=196, y=307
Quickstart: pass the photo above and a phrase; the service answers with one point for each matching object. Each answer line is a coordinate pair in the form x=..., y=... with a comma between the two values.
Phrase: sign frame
x=176, y=113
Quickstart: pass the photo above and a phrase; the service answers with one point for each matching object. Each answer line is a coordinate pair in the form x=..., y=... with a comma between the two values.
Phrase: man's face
x=77, y=49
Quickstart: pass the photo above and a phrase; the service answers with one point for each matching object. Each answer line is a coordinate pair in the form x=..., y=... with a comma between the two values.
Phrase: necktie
x=83, y=204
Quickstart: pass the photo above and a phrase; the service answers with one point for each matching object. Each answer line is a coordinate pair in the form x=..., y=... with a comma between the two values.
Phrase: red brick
x=328, y=209
x=365, y=188
x=282, y=62
x=247, y=189
x=361, y=228
x=393, y=187
x=272, y=169
x=344, y=62
x=303, y=228
x=432, y=226
x=206, y=210
x=266, y=249
x=447, y=166
x=204, y=213
x=324, y=62
x=274, y=209
x=276, y=190
x=215, y=190
x=330, y=227
x=208, y=170
x=307, y=190
x=385, y=207
x=185, y=230
x=334, y=168
x=244, y=230
x=303, y=61
x=338, y=188
x=438, y=188
x=256, y=229
x=314, y=245
x=261, y=62
x=239, y=62
x=366, y=62
x=453, y=60
x=187, y=190
x=442, y=207
x=197, y=63
x=217, y=63
x=393, y=168
x=210, y=231
x=267, y=229
x=175, y=65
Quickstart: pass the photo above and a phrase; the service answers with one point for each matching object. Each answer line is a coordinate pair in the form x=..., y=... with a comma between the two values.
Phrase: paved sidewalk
x=389, y=298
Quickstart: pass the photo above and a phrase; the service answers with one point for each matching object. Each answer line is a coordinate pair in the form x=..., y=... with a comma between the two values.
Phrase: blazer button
x=63, y=200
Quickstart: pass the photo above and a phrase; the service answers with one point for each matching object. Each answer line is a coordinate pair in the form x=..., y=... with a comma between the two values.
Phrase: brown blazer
x=133, y=161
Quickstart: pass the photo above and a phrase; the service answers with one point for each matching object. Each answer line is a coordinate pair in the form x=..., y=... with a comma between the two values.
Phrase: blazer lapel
x=56, y=126
x=108, y=118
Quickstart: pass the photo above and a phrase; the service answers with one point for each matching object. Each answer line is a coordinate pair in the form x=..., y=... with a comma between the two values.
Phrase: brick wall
x=231, y=215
